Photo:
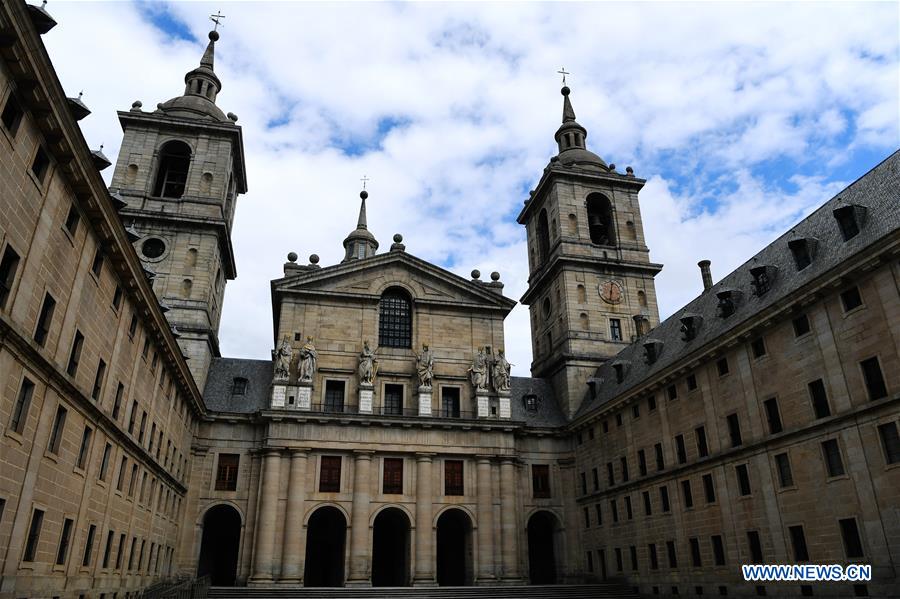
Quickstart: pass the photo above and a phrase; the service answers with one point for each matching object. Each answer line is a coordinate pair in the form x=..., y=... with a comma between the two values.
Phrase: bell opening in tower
x=174, y=162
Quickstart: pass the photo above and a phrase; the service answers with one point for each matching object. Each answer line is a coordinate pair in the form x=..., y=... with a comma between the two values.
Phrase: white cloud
x=695, y=96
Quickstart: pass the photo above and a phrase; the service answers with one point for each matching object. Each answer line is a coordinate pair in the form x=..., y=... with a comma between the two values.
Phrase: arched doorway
x=454, y=548
x=543, y=532
x=390, y=549
x=326, y=533
x=219, y=545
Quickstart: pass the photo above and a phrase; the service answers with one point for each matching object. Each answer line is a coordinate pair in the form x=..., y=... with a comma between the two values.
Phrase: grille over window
x=395, y=319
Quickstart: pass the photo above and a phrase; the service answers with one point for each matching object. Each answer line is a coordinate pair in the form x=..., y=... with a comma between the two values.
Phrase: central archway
x=219, y=545
x=454, y=548
x=543, y=532
x=390, y=549
x=326, y=535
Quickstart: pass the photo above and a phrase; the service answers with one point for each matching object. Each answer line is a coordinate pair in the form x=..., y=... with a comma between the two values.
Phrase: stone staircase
x=585, y=591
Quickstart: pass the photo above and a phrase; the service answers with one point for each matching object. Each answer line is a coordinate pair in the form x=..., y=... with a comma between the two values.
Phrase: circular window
x=546, y=307
x=153, y=248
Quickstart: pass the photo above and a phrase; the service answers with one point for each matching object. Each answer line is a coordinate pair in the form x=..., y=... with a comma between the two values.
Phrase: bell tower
x=179, y=172
x=590, y=285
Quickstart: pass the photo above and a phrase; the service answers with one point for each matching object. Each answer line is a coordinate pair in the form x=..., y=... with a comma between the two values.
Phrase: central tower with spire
x=360, y=243
x=179, y=172
x=590, y=285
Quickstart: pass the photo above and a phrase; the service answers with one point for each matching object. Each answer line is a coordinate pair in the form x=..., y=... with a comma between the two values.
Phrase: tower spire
x=571, y=137
x=360, y=243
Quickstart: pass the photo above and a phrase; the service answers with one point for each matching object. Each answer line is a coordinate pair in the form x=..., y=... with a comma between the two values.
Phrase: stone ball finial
x=495, y=276
x=476, y=274
x=364, y=194
x=565, y=90
x=554, y=159
x=629, y=170
x=137, y=104
x=314, y=258
x=398, y=238
x=232, y=117
x=612, y=166
x=292, y=257
x=159, y=106
x=214, y=36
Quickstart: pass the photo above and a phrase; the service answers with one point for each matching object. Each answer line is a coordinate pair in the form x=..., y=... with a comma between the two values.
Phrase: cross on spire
x=364, y=180
x=217, y=19
x=563, y=72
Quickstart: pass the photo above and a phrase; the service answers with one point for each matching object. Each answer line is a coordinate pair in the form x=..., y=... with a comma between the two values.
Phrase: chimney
x=705, y=273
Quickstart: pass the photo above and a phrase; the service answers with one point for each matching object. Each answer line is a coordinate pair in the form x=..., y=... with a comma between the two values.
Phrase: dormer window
x=530, y=400
x=621, y=369
x=850, y=220
x=690, y=325
x=652, y=350
x=728, y=302
x=803, y=250
x=239, y=386
x=641, y=325
x=763, y=278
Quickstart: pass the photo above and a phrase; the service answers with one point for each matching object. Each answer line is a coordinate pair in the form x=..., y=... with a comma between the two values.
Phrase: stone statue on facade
x=425, y=366
x=308, y=360
x=368, y=365
x=478, y=372
x=500, y=372
x=283, y=356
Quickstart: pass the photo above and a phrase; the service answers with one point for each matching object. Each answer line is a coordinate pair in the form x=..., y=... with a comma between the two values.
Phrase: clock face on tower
x=611, y=292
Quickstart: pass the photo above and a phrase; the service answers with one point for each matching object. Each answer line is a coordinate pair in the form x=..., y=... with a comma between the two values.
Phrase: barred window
x=227, y=471
x=395, y=319
x=540, y=480
x=330, y=475
x=453, y=477
x=393, y=400
x=393, y=476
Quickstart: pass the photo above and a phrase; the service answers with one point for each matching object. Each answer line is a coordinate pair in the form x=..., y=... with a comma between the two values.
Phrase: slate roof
x=548, y=413
x=878, y=190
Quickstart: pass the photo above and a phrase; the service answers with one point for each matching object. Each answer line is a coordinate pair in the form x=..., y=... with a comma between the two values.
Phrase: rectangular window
x=599, y=509
x=687, y=494
x=9, y=264
x=722, y=366
x=45, y=319
x=614, y=510
x=392, y=483
x=583, y=484
x=120, y=550
x=753, y=542
x=117, y=298
x=691, y=382
x=393, y=400
x=587, y=517
x=670, y=550
x=660, y=462
x=75, y=354
x=40, y=164
x=636, y=411
x=107, y=549
x=23, y=403
x=743, y=478
x=615, y=329
x=850, y=534
x=590, y=561
x=34, y=535
x=330, y=475
x=642, y=462
x=453, y=477
x=734, y=430
x=851, y=299
x=672, y=392
x=890, y=441
x=873, y=378
x=648, y=506
x=718, y=550
x=702, y=447
x=227, y=472
x=120, y=482
x=798, y=541
x=695, y=552
x=834, y=464
x=56, y=434
x=89, y=545
x=623, y=461
x=97, y=389
x=12, y=115
x=709, y=488
x=619, y=565
x=84, y=450
x=104, y=462
x=758, y=347
x=540, y=480
x=131, y=483
x=97, y=264
x=117, y=404
x=143, y=426
x=610, y=474
x=64, y=539
x=632, y=551
x=131, y=553
x=801, y=325
x=132, y=416
x=783, y=465
x=651, y=403
x=654, y=559
x=680, y=451
x=664, y=498
x=629, y=514
x=450, y=402
x=132, y=326
x=773, y=417
x=596, y=478
x=819, y=398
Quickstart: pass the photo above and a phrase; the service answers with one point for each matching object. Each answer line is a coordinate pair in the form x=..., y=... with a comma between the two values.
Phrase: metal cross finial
x=364, y=180
x=564, y=72
x=217, y=19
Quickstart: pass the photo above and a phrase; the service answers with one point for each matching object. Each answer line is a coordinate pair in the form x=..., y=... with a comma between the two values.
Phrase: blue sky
x=741, y=121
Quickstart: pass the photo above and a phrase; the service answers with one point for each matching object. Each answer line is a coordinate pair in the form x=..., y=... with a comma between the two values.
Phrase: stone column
x=509, y=551
x=424, y=554
x=360, y=573
x=266, y=524
x=292, y=551
x=485, y=512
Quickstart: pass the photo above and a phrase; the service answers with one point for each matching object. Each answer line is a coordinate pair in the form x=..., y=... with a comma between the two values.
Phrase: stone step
x=611, y=591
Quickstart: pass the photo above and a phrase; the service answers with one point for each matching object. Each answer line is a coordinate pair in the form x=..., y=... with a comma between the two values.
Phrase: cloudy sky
x=742, y=117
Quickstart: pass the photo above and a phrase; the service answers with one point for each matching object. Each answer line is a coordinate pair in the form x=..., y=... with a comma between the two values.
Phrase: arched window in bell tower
x=395, y=319
x=600, y=219
x=543, y=234
x=171, y=175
